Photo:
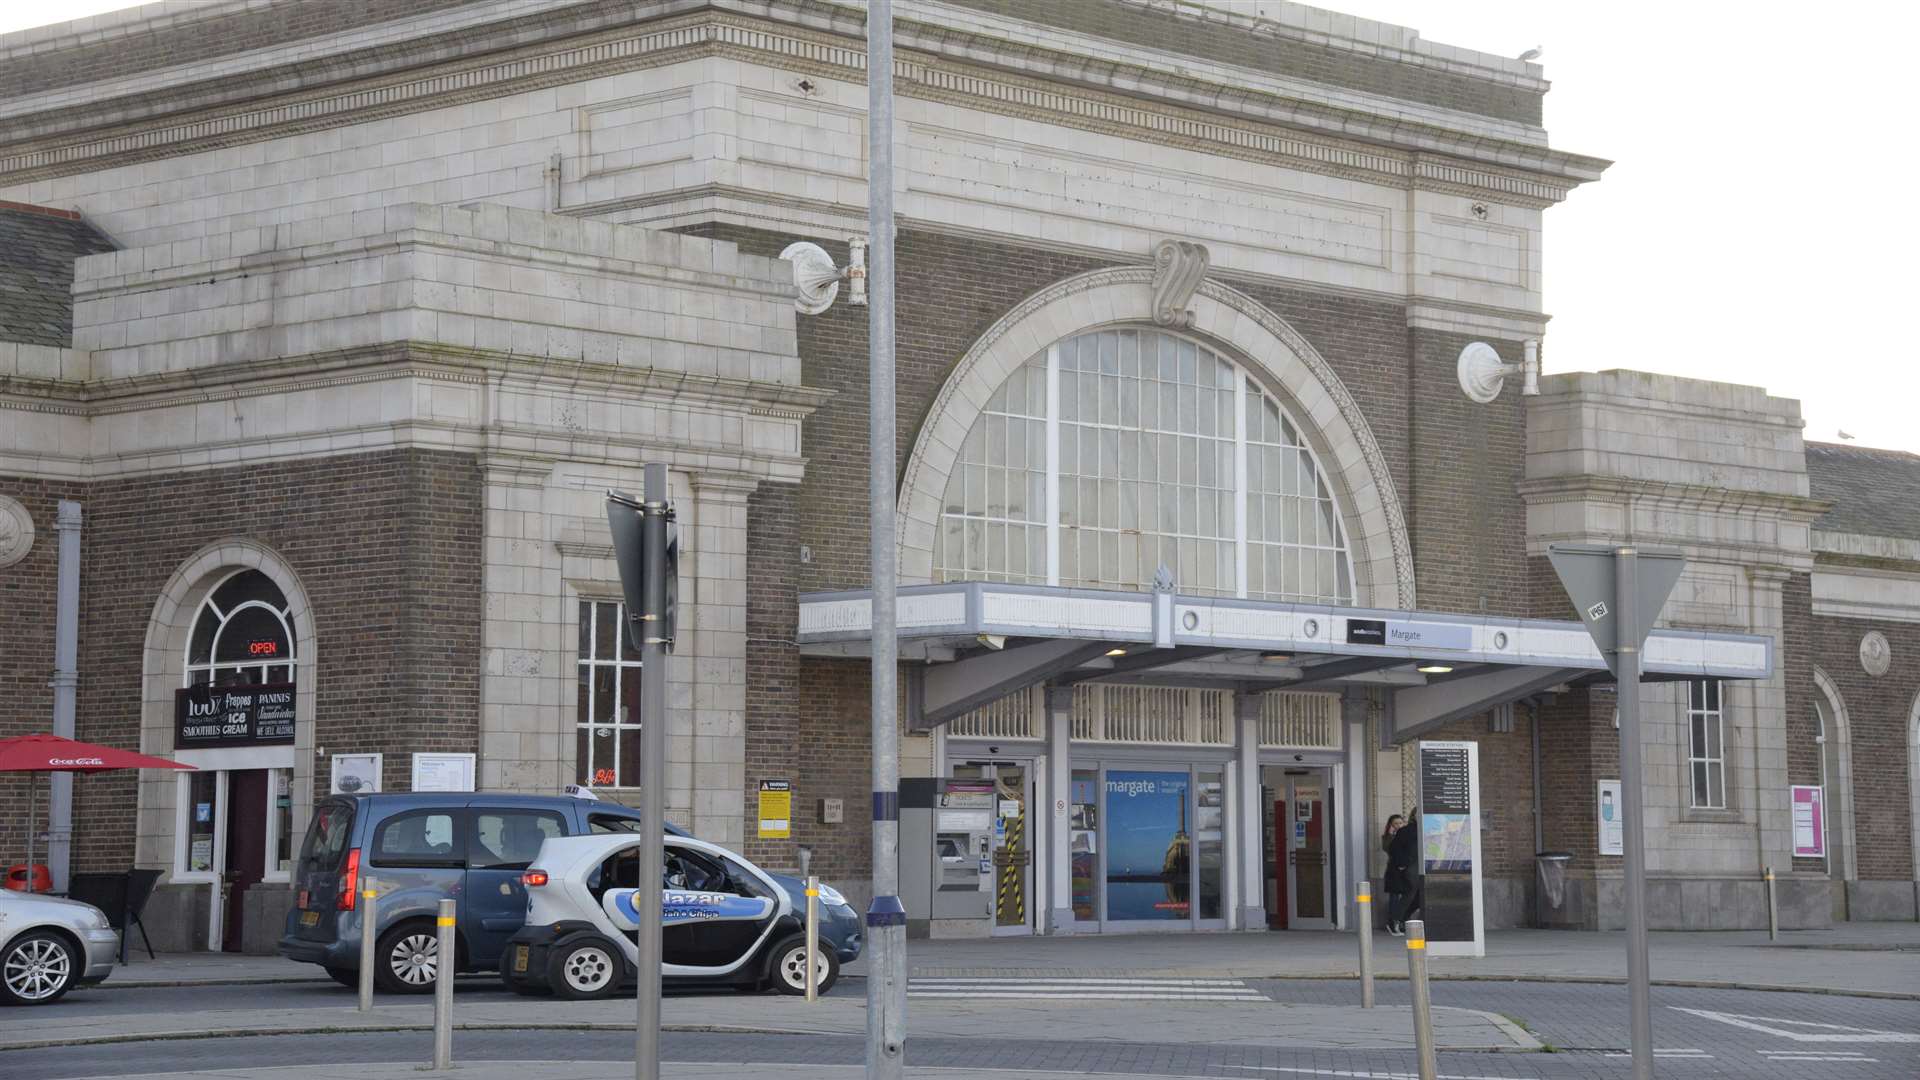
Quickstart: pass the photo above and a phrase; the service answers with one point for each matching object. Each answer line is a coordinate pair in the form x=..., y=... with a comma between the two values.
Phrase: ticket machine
x=946, y=856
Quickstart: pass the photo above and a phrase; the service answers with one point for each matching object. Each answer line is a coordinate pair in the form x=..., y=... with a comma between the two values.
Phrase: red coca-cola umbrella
x=51, y=753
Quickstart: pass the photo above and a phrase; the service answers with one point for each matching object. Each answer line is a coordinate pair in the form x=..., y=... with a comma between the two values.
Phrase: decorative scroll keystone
x=1178, y=266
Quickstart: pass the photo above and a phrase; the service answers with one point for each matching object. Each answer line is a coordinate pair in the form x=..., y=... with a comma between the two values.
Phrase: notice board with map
x=1449, y=803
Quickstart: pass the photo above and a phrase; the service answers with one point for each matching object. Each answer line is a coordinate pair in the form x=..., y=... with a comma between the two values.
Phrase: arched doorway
x=229, y=690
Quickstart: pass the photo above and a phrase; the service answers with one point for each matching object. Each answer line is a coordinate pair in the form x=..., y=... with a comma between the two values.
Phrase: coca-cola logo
x=75, y=761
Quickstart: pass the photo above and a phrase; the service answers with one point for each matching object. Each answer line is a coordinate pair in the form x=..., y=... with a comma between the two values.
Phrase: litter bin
x=1550, y=905
x=17, y=878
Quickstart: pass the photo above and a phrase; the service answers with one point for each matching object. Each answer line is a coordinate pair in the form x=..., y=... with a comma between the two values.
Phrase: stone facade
x=400, y=290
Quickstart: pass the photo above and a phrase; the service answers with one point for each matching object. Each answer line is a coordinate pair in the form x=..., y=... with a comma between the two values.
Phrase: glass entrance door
x=1007, y=877
x=1012, y=849
x=1309, y=850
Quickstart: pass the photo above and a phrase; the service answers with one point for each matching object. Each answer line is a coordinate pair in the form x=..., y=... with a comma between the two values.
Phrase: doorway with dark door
x=1297, y=810
x=246, y=854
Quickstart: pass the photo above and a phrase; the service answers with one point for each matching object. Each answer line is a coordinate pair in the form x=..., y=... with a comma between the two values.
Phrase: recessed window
x=607, y=729
x=1114, y=453
x=1706, y=752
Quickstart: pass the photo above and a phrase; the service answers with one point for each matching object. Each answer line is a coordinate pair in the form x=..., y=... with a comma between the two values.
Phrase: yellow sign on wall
x=776, y=809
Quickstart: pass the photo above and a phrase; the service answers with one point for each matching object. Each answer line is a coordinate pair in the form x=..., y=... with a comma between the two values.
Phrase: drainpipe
x=1539, y=822
x=1530, y=369
x=66, y=685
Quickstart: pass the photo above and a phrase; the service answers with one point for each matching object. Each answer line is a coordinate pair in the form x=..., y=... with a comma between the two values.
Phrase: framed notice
x=1809, y=821
x=776, y=809
x=1612, y=819
x=442, y=772
x=356, y=774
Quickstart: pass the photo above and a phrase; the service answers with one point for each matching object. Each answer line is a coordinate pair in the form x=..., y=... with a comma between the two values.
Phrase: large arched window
x=1113, y=453
x=243, y=634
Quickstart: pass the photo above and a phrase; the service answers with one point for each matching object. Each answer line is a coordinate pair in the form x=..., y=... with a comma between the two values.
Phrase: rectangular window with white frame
x=1706, y=747
x=607, y=724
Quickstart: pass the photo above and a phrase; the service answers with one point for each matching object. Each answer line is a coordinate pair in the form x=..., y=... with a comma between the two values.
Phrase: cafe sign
x=211, y=716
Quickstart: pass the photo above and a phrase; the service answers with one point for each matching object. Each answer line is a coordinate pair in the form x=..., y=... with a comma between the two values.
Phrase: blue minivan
x=414, y=851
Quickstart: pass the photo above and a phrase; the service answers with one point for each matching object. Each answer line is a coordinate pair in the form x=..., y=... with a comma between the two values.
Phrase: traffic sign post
x=646, y=549
x=1619, y=591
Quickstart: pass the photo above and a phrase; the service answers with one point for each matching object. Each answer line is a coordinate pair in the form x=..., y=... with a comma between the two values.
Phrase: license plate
x=519, y=959
x=309, y=918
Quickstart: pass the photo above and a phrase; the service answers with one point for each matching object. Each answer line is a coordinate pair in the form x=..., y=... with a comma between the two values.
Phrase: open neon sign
x=267, y=647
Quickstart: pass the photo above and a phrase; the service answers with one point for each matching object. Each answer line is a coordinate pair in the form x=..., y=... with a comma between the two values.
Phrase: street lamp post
x=886, y=918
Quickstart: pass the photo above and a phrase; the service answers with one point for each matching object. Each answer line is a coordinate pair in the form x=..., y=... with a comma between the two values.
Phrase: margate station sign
x=210, y=716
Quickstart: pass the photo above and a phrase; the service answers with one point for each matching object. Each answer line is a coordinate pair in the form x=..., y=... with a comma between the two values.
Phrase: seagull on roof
x=1534, y=53
x=1844, y=435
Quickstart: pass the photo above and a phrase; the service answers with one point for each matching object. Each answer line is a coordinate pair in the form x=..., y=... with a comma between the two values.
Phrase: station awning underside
x=981, y=641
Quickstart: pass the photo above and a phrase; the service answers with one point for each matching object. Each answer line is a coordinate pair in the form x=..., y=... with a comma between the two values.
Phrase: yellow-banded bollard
x=369, y=934
x=1422, y=1005
x=813, y=937
x=443, y=989
x=1363, y=904
x=1773, y=909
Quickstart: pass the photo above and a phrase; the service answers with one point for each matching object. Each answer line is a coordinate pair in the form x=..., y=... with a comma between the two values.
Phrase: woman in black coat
x=1402, y=844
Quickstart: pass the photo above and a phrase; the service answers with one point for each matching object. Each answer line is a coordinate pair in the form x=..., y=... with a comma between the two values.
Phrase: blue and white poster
x=1149, y=846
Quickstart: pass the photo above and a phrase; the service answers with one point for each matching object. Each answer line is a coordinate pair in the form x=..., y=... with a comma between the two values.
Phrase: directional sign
x=1587, y=573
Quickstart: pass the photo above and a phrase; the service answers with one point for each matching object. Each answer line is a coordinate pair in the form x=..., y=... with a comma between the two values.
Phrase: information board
x=1612, y=818
x=1450, y=865
x=442, y=772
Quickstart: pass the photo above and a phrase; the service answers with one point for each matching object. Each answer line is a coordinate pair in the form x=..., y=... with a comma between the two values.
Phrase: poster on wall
x=776, y=809
x=356, y=774
x=1809, y=821
x=1450, y=866
x=1612, y=819
x=1149, y=846
x=442, y=772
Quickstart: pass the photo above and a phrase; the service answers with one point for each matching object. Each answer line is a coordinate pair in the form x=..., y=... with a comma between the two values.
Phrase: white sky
x=1753, y=228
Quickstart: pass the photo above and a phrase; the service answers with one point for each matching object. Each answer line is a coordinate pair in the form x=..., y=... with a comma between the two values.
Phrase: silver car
x=49, y=945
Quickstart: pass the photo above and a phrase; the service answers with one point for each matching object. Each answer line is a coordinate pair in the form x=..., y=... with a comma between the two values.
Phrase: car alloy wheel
x=37, y=970
x=790, y=967
x=415, y=959
x=584, y=968
x=587, y=969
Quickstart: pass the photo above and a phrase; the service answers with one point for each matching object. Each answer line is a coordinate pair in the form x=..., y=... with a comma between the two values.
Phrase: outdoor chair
x=122, y=896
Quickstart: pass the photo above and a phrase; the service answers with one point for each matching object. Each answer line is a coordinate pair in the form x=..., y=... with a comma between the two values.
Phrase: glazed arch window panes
x=242, y=635
x=1113, y=453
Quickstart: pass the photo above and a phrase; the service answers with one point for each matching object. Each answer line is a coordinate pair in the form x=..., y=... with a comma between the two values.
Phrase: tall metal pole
x=886, y=917
x=1627, y=671
x=653, y=755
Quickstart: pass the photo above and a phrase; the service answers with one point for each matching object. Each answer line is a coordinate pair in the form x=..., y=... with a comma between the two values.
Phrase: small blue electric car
x=726, y=922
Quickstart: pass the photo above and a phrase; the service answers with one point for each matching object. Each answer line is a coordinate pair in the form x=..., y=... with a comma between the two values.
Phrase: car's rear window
x=327, y=836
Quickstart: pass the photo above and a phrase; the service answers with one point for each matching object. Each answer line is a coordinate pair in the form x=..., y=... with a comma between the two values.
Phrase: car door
x=501, y=842
x=734, y=910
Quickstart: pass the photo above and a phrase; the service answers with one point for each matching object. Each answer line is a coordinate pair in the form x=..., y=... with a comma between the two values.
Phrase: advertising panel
x=1612, y=819
x=1809, y=821
x=214, y=716
x=1149, y=849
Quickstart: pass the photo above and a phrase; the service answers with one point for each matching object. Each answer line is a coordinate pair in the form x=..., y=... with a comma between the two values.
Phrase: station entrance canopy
x=983, y=640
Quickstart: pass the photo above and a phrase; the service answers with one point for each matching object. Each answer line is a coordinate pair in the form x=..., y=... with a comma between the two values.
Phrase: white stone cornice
x=1236, y=119
x=1693, y=497
x=1829, y=545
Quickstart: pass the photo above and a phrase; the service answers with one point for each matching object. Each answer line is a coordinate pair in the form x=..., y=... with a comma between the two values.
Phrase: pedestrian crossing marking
x=1041, y=988
x=1826, y=1033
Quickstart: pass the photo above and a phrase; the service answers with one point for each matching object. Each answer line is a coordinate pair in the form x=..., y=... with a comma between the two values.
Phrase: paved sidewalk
x=1878, y=959
x=614, y=1070
x=1213, y=1022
